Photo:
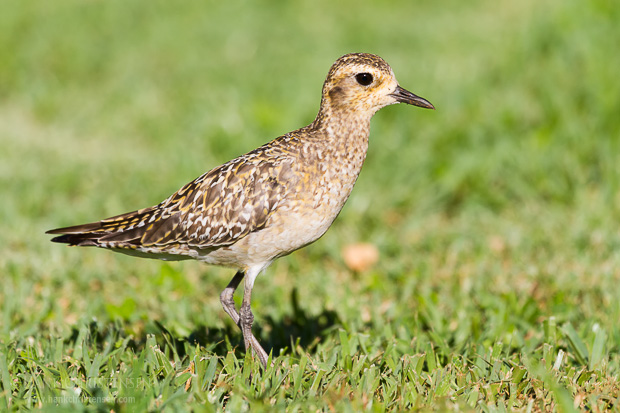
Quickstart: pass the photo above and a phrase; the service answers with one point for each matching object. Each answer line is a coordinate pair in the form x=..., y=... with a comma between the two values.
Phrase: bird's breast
x=311, y=193
x=325, y=177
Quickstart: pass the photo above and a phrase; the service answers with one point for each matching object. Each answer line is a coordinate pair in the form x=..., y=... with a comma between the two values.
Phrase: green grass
x=496, y=217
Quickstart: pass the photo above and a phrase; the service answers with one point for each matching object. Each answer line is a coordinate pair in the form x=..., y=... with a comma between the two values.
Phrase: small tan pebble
x=360, y=257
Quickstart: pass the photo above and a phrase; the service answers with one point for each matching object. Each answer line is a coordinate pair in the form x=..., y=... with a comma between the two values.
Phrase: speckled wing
x=222, y=206
x=216, y=209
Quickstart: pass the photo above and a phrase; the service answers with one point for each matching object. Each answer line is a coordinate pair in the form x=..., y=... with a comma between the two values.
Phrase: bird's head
x=363, y=83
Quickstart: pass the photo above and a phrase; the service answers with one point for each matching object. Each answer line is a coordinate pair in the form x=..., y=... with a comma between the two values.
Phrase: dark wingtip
x=79, y=240
x=80, y=235
x=63, y=239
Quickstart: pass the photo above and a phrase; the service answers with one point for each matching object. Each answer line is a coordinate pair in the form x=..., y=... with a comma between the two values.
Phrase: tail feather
x=76, y=229
x=119, y=231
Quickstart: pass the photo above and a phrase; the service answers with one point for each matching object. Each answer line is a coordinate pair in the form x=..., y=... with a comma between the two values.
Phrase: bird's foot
x=246, y=319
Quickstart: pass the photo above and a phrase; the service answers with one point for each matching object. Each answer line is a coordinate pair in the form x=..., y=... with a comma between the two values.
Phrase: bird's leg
x=228, y=303
x=245, y=322
x=226, y=297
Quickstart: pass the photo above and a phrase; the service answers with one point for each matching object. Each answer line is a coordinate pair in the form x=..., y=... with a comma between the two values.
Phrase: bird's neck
x=344, y=137
x=343, y=127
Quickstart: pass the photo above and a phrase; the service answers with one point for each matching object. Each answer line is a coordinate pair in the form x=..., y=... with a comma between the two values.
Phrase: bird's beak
x=405, y=96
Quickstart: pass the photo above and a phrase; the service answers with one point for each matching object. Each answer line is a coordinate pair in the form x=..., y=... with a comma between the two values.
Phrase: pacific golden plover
x=269, y=202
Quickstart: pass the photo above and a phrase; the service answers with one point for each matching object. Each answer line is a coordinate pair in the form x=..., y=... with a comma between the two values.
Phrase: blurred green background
x=490, y=215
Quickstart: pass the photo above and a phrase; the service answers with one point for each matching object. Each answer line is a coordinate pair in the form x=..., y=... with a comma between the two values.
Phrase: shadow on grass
x=297, y=329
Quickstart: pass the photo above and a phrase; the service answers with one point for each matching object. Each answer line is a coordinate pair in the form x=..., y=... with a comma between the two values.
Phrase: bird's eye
x=364, y=79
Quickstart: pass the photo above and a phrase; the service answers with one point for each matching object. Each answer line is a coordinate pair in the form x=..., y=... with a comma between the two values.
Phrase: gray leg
x=226, y=298
x=245, y=322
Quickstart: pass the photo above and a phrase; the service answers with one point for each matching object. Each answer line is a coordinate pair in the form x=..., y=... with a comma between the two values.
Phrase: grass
x=496, y=217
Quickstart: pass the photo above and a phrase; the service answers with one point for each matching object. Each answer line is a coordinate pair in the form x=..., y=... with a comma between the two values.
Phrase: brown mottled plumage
x=268, y=202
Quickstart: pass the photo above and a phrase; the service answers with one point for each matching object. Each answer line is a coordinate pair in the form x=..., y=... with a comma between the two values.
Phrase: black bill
x=405, y=96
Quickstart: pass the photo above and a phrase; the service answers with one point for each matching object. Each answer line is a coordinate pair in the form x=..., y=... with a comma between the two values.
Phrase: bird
x=263, y=205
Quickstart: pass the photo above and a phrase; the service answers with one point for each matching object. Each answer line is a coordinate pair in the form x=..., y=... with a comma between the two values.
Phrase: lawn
x=496, y=217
